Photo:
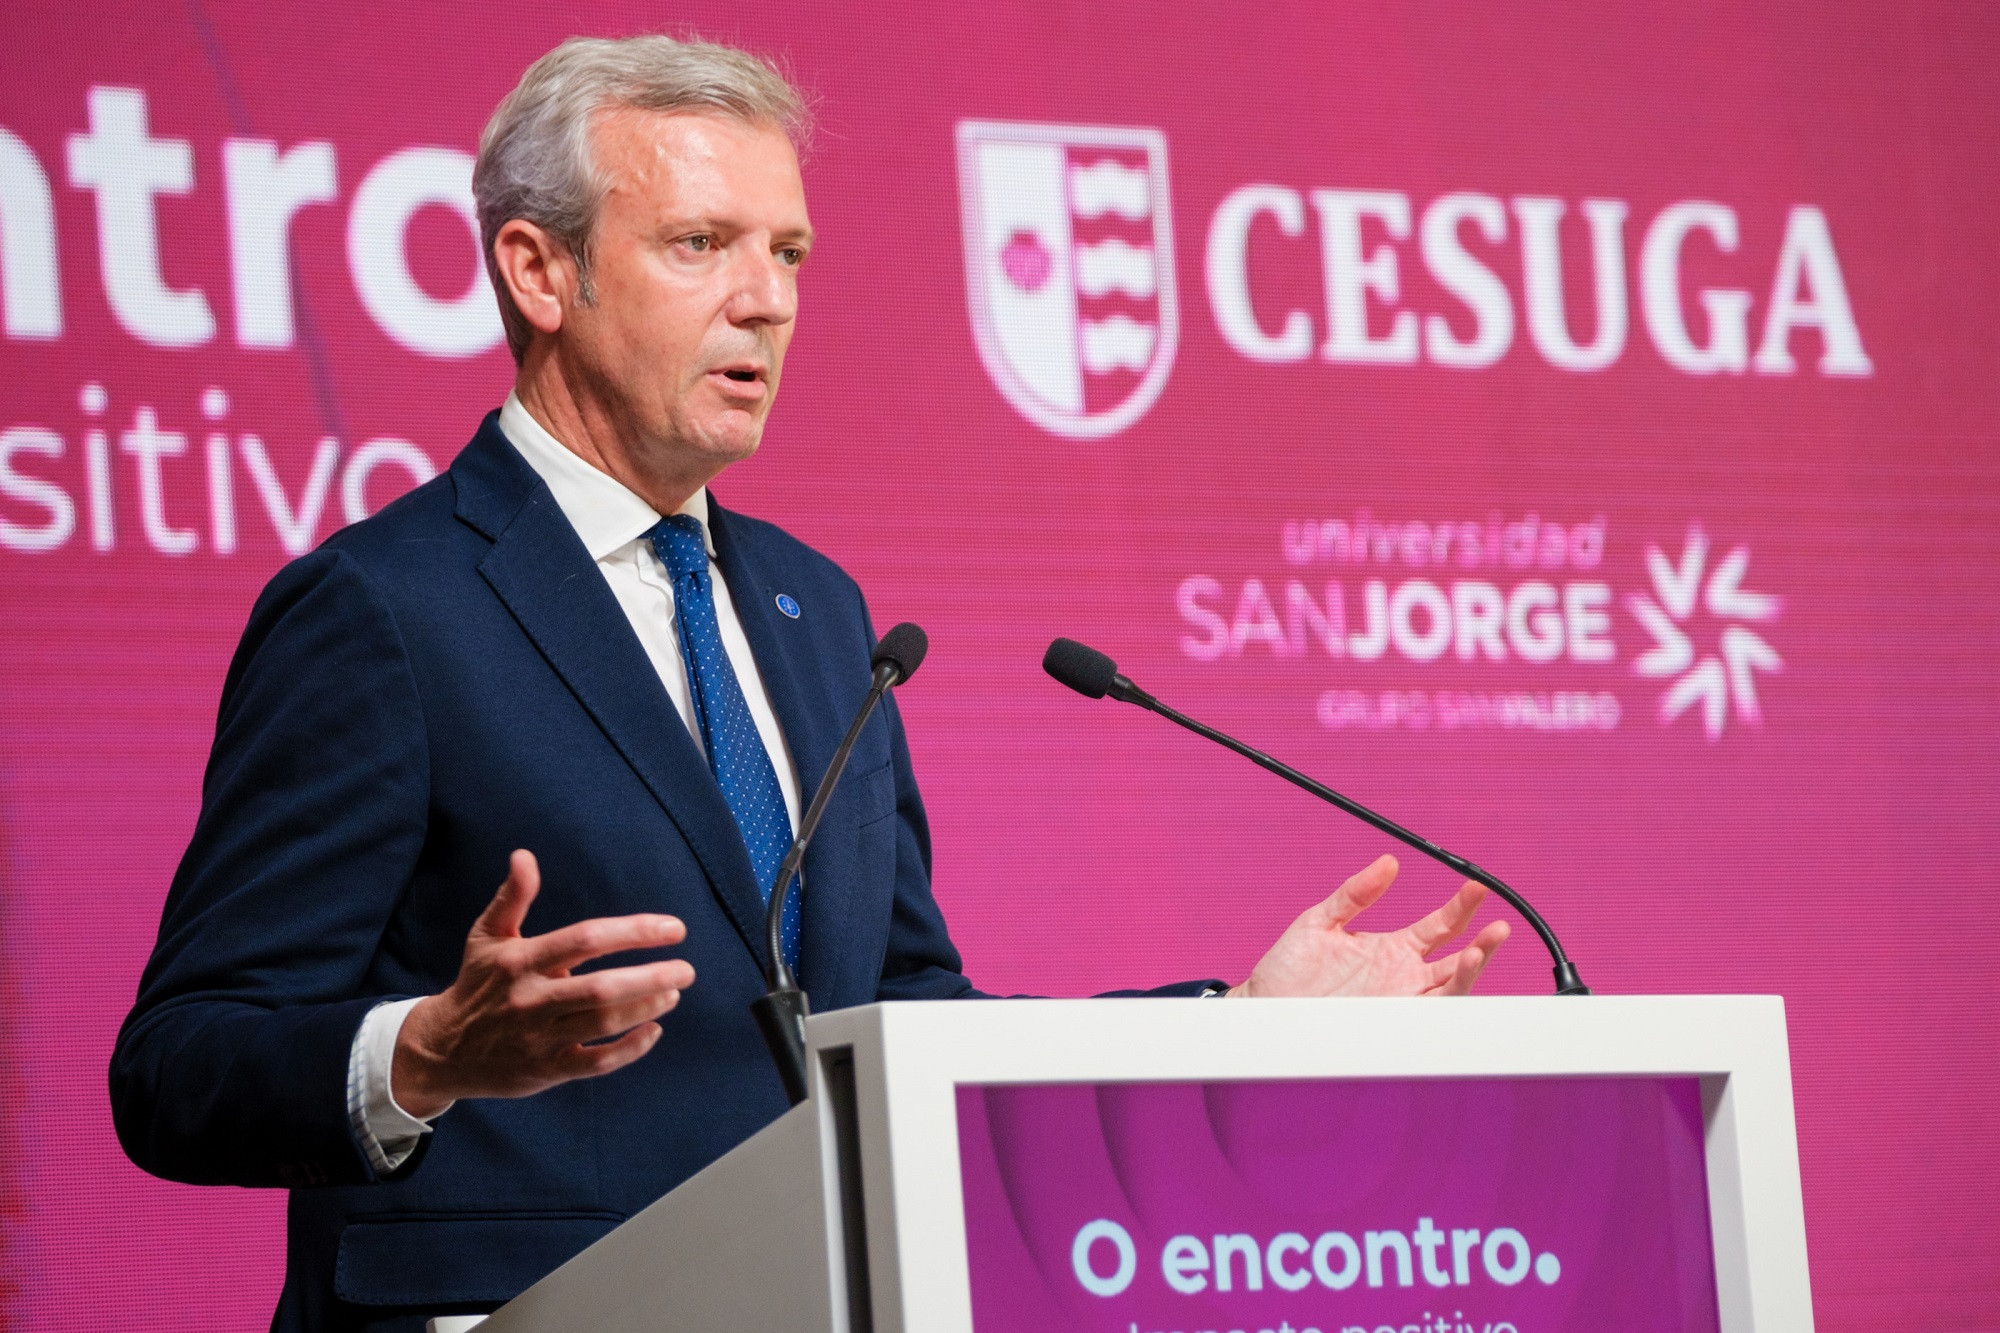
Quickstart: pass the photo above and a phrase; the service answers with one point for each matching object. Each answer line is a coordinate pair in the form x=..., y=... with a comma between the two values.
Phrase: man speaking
x=563, y=662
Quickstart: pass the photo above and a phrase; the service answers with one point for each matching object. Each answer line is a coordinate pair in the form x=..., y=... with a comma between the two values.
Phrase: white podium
x=1099, y=1124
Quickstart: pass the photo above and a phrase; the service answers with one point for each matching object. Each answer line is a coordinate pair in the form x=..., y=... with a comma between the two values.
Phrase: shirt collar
x=606, y=514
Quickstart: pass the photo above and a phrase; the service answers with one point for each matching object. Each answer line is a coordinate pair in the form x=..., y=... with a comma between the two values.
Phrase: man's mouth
x=743, y=380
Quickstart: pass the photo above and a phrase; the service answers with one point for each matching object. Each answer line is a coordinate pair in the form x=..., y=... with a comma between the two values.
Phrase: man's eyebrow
x=684, y=226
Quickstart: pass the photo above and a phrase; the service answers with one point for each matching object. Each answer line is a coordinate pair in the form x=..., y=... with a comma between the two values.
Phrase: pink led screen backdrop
x=1322, y=1205
x=1572, y=432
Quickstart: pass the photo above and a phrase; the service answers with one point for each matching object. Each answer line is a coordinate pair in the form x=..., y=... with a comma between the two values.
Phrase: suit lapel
x=539, y=569
x=813, y=714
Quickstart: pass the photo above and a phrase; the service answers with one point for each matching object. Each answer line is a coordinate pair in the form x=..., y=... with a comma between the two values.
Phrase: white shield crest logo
x=1069, y=269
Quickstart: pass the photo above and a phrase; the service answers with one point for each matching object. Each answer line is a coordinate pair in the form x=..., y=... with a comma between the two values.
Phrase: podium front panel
x=1625, y=1162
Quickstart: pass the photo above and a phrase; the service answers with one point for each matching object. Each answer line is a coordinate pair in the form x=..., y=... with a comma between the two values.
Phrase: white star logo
x=1717, y=678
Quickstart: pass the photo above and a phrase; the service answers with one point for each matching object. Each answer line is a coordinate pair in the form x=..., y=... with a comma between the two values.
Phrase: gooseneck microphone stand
x=1094, y=675
x=781, y=1010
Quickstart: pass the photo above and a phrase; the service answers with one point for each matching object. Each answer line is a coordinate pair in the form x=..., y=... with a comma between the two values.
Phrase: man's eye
x=792, y=255
x=699, y=243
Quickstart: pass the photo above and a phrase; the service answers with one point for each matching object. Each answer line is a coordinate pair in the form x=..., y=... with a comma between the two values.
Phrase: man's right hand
x=515, y=1021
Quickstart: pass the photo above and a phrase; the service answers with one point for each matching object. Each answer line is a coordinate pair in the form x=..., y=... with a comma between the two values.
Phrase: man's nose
x=765, y=291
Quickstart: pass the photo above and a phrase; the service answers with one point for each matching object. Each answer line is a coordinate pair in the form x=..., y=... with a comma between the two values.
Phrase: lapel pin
x=787, y=605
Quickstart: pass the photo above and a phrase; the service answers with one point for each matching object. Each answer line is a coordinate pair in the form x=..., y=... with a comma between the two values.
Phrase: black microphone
x=781, y=1011
x=1092, y=674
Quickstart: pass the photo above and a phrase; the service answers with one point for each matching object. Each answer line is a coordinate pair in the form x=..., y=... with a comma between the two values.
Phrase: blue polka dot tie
x=736, y=753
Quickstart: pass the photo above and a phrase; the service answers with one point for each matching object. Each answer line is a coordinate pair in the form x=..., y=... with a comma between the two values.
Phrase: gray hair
x=534, y=156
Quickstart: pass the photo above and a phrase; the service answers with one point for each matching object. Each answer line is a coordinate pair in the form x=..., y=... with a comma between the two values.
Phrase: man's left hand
x=1319, y=955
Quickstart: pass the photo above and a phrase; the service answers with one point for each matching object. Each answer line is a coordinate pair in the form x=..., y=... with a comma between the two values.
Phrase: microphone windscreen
x=1080, y=667
x=903, y=646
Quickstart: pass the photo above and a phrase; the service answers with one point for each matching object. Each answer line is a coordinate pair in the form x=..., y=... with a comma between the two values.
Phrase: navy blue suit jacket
x=433, y=687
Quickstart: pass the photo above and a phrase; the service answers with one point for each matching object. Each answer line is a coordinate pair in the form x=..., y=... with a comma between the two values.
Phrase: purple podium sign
x=1510, y=1205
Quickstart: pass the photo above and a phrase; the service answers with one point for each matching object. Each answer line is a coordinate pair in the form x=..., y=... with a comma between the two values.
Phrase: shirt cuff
x=385, y=1131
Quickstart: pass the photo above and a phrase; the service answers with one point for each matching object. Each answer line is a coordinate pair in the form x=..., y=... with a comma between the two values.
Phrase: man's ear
x=539, y=271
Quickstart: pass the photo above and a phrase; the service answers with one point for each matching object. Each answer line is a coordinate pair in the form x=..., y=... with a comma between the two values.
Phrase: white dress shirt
x=612, y=522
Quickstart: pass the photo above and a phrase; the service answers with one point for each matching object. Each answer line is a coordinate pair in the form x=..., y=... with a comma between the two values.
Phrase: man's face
x=694, y=262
